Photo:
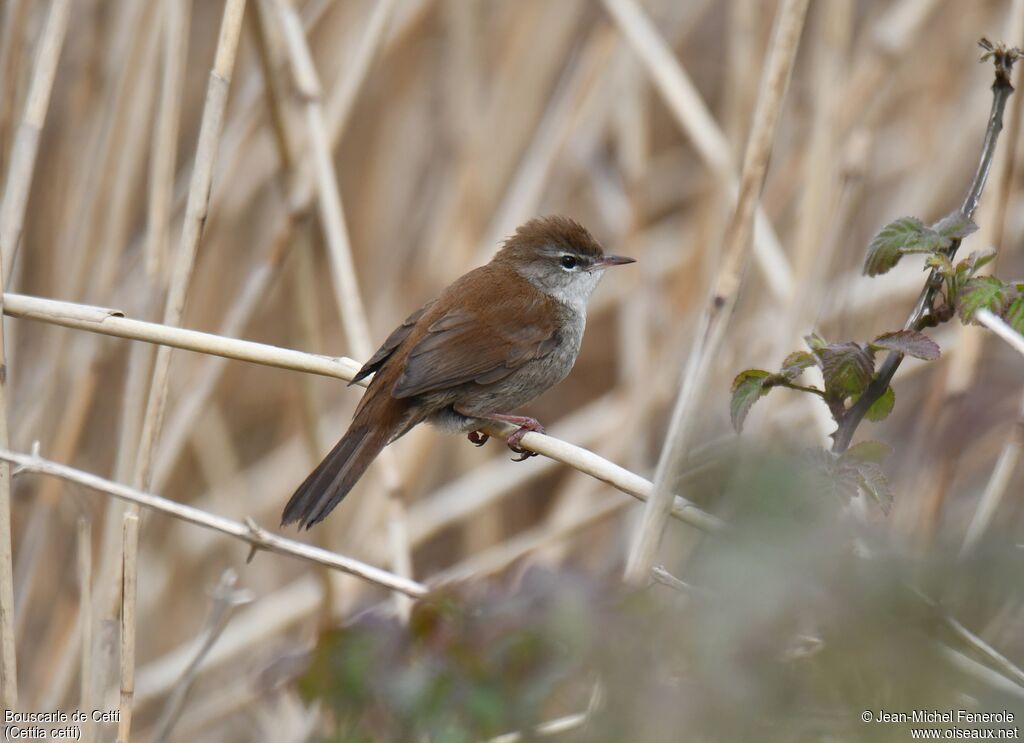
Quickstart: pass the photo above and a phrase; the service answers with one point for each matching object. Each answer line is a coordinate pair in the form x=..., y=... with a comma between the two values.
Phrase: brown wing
x=503, y=332
x=392, y=342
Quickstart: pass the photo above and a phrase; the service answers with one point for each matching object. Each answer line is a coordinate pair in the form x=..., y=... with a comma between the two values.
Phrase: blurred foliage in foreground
x=797, y=622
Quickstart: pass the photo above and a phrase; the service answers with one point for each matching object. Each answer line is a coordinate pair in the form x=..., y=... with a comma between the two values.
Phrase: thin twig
x=112, y=322
x=711, y=327
x=922, y=315
x=258, y=538
x=225, y=599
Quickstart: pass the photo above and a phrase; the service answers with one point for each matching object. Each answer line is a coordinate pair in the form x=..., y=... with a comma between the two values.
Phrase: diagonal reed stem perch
x=711, y=326
x=112, y=322
x=250, y=533
x=922, y=316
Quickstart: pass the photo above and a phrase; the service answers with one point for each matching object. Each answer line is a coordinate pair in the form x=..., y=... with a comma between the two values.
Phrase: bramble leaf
x=955, y=226
x=910, y=343
x=747, y=388
x=973, y=263
x=794, y=364
x=869, y=451
x=874, y=483
x=815, y=342
x=847, y=368
x=983, y=292
x=881, y=407
x=904, y=235
x=1015, y=315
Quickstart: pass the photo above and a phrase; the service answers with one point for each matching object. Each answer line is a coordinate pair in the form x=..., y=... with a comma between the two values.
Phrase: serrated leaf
x=869, y=451
x=881, y=407
x=747, y=388
x=941, y=262
x=955, y=226
x=909, y=343
x=1014, y=315
x=794, y=364
x=904, y=235
x=847, y=368
x=983, y=291
x=875, y=484
x=974, y=262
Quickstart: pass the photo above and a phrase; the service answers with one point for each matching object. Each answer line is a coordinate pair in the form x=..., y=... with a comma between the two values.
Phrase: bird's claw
x=524, y=454
x=514, y=440
x=476, y=438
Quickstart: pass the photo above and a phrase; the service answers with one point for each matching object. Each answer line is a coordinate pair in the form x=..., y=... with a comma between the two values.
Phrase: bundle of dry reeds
x=301, y=175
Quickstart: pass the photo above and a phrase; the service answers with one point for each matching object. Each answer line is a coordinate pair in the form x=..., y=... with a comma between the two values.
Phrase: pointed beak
x=613, y=260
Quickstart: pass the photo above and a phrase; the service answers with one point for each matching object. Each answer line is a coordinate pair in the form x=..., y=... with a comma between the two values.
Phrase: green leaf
x=974, y=262
x=905, y=235
x=881, y=407
x=869, y=451
x=847, y=368
x=1015, y=315
x=815, y=342
x=908, y=342
x=983, y=292
x=875, y=484
x=747, y=388
x=794, y=364
x=955, y=226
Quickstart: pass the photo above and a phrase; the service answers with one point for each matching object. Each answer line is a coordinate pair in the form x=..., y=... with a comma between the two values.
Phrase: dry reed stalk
x=85, y=617
x=195, y=217
x=252, y=295
x=552, y=727
x=164, y=147
x=685, y=102
x=26, y=145
x=255, y=536
x=8, y=647
x=711, y=327
x=346, y=283
x=129, y=595
x=999, y=326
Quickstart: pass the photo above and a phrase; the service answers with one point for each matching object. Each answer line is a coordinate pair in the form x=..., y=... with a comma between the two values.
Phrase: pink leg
x=525, y=424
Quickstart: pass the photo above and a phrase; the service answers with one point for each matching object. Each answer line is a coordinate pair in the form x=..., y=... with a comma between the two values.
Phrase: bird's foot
x=526, y=425
x=477, y=438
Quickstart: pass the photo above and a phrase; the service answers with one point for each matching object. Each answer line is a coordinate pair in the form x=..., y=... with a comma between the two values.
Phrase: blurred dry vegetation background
x=450, y=122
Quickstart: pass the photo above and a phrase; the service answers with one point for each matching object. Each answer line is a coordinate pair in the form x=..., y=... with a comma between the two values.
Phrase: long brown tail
x=337, y=473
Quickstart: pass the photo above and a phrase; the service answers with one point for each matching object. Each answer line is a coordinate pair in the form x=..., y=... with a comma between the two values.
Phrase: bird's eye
x=568, y=262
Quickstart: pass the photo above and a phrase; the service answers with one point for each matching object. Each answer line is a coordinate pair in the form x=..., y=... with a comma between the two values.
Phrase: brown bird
x=495, y=339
